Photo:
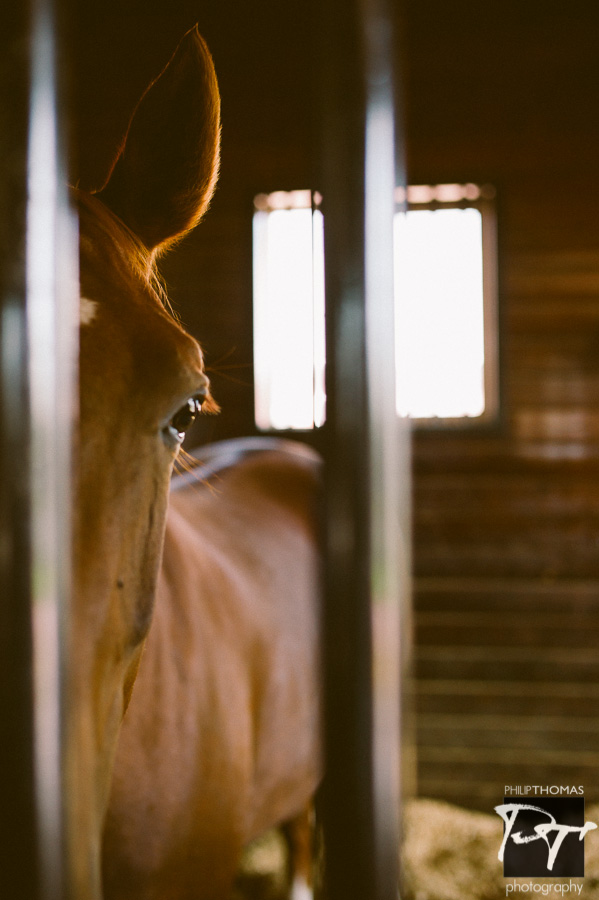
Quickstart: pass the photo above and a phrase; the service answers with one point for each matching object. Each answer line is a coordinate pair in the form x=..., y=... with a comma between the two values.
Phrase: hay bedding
x=449, y=854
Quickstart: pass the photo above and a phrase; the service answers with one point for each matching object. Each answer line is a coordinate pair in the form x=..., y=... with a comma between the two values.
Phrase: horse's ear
x=165, y=173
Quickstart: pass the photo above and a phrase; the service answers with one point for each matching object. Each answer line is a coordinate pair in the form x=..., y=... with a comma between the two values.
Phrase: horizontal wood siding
x=506, y=523
x=507, y=686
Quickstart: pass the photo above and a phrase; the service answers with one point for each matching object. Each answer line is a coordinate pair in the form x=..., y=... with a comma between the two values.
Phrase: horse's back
x=281, y=471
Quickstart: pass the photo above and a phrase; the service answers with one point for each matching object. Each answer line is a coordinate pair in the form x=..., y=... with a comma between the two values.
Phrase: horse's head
x=141, y=382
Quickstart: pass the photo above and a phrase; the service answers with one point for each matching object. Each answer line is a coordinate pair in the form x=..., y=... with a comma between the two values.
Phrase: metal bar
x=367, y=544
x=52, y=298
x=37, y=289
x=17, y=810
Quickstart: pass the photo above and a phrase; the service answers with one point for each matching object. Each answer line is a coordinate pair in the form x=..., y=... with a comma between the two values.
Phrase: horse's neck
x=233, y=543
x=228, y=680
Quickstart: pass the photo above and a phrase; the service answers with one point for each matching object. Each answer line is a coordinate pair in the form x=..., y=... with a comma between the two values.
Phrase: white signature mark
x=509, y=813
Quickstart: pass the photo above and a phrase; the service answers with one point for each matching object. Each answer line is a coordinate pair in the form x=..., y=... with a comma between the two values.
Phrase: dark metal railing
x=367, y=545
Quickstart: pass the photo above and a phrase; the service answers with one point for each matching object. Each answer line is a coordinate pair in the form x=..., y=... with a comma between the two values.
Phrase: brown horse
x=219, y=736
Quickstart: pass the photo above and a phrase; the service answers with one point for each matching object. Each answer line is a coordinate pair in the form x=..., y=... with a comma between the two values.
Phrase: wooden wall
x=506, y=520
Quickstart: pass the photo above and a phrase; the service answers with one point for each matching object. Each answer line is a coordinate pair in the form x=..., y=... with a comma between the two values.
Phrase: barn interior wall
x=506, y=536
x=506, y=520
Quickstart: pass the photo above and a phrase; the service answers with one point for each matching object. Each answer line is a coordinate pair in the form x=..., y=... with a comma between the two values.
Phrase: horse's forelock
x=101, y=231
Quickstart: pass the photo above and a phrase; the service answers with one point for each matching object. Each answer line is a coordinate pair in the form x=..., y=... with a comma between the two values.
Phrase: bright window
x=439, y=312
x=445, y=301
x=289, y=351
x=445, y=292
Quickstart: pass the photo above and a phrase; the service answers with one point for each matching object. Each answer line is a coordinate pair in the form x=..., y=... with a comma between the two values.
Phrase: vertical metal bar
x=367, y=563
x=37, y=343
x=17, y=809
x=52, y=320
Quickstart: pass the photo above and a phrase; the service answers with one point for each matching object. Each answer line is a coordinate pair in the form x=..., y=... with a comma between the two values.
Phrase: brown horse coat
x=220, y=737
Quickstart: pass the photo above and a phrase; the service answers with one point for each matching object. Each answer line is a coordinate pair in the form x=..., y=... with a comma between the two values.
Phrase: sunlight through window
x=289, y=343
x=439, y=312
x=445, y=298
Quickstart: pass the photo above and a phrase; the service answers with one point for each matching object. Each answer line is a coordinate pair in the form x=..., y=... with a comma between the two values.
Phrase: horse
x=194, y=648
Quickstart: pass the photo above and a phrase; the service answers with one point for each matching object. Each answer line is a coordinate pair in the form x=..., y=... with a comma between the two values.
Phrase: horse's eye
x=183, y=418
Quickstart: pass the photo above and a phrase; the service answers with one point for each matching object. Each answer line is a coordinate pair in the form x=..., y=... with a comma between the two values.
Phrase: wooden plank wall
x=506, y=520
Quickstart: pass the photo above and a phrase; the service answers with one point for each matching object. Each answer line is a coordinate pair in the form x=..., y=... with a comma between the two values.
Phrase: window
x=446, y=304
x=445, y=291
x=289, y=339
